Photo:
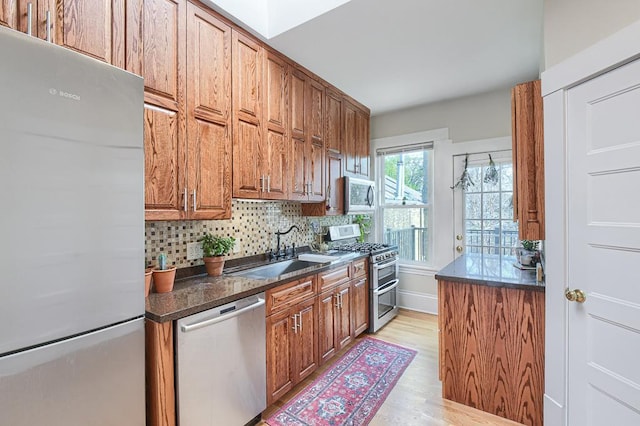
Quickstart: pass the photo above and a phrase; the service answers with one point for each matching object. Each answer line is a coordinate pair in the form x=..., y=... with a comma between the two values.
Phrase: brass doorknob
x=459, y=237
x=576, y=295
x=459, y=249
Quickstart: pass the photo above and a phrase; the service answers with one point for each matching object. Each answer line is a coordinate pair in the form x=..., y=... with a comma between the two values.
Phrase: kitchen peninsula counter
x=491, y=337
x=491, y=270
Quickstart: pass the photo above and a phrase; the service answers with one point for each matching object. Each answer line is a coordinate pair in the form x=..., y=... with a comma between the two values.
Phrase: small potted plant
x=163, y=275
x=147, y=279
x=214, y=248
x=528, y=255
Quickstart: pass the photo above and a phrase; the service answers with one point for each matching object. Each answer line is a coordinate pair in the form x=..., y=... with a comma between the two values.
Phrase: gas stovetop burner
x=363, y=247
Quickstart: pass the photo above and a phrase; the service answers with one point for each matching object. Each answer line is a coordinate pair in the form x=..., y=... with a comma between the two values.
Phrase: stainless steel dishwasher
x=221, y=364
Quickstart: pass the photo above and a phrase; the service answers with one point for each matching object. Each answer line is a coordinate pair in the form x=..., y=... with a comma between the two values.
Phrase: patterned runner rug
x=351, y=391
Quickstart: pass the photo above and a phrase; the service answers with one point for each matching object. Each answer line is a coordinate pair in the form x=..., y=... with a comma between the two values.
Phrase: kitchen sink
x=275, y=269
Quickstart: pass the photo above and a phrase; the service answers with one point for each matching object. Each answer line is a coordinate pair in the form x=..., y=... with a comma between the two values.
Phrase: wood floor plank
x=416, y=399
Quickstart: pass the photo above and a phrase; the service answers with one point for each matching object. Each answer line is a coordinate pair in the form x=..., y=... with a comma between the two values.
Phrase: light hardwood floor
x=416, y=399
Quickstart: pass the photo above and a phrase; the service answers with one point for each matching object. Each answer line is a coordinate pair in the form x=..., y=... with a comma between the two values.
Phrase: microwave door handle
x=387, y=289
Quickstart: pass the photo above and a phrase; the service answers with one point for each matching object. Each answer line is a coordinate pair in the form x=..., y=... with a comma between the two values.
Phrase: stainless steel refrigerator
x=71, y=238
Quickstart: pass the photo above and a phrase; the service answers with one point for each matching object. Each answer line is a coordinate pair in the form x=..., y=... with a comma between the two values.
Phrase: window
x=405, y=192
x=488, y=209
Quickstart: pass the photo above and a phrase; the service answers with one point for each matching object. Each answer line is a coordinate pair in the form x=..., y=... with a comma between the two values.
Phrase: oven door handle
x=384, y=265
x=387, y=289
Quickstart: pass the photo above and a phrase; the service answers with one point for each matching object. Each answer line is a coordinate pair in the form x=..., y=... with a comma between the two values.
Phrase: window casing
x=405, y=193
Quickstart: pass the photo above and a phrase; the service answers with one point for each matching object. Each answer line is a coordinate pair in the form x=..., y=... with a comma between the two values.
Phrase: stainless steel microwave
x=358, y=195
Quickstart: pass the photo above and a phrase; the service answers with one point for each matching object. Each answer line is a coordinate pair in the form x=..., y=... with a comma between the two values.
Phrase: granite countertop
x=201, y=292
x=492, y=270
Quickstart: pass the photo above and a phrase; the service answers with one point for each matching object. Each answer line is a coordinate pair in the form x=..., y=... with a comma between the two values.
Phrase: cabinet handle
x=48, y=21
x=295, y=323
x=186, y=198
x=340, y=300
x=194, y=200
x=268, y=183
x=300, y=322
x=337, y=301
x=29, y=15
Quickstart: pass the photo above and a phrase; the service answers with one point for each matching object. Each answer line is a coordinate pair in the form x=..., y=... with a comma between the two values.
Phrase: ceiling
x=392, y=55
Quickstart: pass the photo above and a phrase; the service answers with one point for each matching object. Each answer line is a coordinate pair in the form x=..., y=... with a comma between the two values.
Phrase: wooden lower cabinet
x=292, y=349
x=492, y=349
x=360, y=305
x=334, y=320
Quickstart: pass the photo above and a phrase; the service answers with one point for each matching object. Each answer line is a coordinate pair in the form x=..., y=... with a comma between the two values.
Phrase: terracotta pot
x=147, y=281
x=163, y=279
x=214, y=265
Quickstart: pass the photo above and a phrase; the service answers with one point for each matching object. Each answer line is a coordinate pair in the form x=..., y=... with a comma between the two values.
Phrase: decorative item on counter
x=465, y=182
x=527, y=254
x=491, y=176
x=364, y=221
x=214, y=248
x=163, y=276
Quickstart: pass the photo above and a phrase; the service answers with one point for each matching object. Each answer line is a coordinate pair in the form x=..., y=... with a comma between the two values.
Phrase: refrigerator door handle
x=29, y=17
x=48, y=23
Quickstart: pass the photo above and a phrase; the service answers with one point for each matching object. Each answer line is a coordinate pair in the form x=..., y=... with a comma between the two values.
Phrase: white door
x=603, y=182
x=483, y=209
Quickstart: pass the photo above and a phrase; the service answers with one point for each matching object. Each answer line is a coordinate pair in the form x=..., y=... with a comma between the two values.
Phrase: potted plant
x=147, y=279
x=364, y=221
x=528, y=255
x=214, y=248
x=163, y=275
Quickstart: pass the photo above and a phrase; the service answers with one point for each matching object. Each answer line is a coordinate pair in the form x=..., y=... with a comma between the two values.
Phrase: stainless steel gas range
x=383, y=273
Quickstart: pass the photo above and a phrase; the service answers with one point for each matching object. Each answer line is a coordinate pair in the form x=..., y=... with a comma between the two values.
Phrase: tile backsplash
x=253, y=224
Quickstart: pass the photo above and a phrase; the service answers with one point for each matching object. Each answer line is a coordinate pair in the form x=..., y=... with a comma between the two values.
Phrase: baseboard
x=421, y=302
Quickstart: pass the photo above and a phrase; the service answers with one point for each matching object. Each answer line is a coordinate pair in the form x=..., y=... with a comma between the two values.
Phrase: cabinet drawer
x=289, y=294
x=359, y=268
x=333, y=277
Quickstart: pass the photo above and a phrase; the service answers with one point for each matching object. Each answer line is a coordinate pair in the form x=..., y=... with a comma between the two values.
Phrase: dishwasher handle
x=223, y=317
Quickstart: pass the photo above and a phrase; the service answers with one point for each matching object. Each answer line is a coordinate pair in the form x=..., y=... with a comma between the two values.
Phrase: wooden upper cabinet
x=161, y=42
x=208, y=108
x=350, y=137
x=307, y=138
x=93, y=28
x=299, y=135
x=249, y=180
x=276, y=135
x=9, y=13
x=362, y=143
x=333, y=131
x=316, y=128
x=528, y=160
x=356, y=140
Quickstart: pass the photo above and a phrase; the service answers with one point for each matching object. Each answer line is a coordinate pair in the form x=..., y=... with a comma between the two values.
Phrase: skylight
x=270, y=18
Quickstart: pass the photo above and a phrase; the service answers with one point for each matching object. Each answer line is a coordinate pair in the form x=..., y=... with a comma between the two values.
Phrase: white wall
x=573, y=25
x=482, y=116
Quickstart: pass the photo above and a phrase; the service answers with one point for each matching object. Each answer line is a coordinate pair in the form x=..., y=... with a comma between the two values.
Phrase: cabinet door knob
x=576, y=295
x=459, y=249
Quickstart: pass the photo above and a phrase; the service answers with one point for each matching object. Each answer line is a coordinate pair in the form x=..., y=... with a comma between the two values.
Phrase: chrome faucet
x=280, y=253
